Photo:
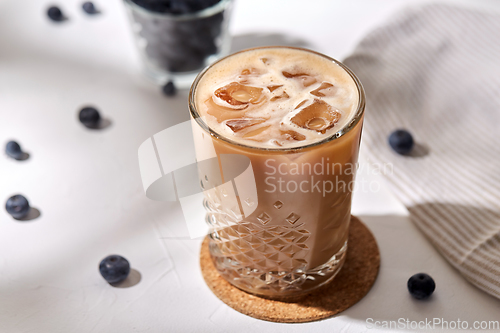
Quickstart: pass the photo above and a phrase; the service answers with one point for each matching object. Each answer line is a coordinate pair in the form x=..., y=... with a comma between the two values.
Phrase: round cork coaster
x=350, y=285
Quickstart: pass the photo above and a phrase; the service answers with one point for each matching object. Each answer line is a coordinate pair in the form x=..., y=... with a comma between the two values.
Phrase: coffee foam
x=267, y=66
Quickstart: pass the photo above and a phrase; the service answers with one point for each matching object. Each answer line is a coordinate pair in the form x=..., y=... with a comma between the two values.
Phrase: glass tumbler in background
x=293, y=241
x=175, y=47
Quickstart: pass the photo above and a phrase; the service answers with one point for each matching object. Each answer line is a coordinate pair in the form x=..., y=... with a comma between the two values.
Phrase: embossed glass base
x=267, y=261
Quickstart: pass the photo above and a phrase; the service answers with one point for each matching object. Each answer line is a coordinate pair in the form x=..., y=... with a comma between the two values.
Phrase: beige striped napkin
x=435, y=70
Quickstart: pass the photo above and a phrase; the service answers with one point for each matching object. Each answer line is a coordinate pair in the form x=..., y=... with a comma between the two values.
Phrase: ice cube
x=316, y=123
x=273, y=88
x=304, y=78
x=301, y=103
x=326, y=89
x=290, y=135
x=249, y=71
x=256, y=132
x=247, y=74
x=237, y=95
x=318, y=116
x=277, y=143
x=237, y=125
x=284, y=95
x=225, y=112
x=242, y=96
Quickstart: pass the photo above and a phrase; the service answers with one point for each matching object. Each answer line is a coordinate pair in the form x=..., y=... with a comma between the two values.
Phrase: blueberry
x=169, y=89
x=17, y=206
x=89, y=116
x=114, y=268
x=89, y=8
x=401, y=141
x=421, y=286
x=179, y=7
x=55, y=14
x=13, y=149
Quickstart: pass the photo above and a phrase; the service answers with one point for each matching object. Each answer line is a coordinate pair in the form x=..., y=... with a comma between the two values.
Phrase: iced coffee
x=296, y=115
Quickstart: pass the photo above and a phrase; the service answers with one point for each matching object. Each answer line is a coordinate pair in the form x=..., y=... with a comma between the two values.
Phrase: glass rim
x=218, y=7
x=341, y=132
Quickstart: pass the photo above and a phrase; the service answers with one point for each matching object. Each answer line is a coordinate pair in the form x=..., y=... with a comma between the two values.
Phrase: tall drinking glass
x=286, y=232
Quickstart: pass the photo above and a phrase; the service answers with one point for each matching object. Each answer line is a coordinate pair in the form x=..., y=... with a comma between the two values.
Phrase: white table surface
x=88, y=188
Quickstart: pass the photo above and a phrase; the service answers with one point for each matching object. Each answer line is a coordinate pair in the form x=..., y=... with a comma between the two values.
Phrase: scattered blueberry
x=13, y=149
x=17, y=206
x=401, y=141
x=169, y=89
x=421, y=286
x=114, y=268
x=89, y=116
x=55, y=14
x=89, y=8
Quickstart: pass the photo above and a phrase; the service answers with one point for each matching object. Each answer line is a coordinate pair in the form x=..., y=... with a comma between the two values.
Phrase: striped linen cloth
x=435, y=70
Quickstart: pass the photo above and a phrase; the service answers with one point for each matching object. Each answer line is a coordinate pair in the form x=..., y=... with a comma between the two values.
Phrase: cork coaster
x=350, y=285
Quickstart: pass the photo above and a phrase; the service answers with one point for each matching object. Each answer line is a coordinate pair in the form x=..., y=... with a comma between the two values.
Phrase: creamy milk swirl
x=277, y=98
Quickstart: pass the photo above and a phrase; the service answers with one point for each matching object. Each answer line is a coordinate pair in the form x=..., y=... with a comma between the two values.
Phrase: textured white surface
x=87, y=184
